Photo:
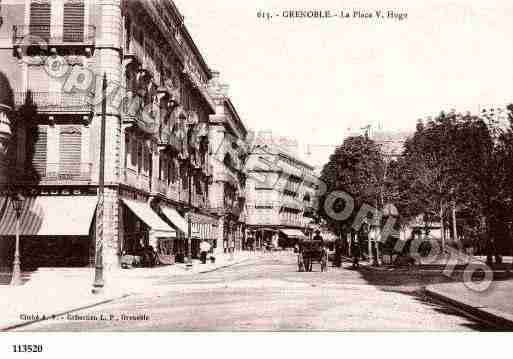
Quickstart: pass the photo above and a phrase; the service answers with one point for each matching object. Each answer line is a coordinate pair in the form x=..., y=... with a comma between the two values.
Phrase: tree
x=356, y=167
x=450, y=162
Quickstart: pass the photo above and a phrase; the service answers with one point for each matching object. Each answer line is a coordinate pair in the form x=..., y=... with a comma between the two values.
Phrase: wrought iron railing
x=53, y=35
x=60, y=171
x=54, y=101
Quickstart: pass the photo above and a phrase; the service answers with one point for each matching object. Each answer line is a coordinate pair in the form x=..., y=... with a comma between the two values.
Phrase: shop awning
x=148, y=216
x=175, y=218
x=293, y=233
x=51, y=216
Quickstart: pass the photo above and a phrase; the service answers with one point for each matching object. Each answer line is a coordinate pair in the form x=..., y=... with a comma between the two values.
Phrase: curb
x=495, y=318
x=58, y=314
x=21, y=324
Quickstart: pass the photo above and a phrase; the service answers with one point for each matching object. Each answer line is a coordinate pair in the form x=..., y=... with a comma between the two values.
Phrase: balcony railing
x=137, y=180
x=54, y=35
x=54, y=101
x=80, y=171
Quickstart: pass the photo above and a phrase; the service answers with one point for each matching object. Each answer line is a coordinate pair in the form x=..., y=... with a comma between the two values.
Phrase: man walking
x=204, y=249
x=355, y=251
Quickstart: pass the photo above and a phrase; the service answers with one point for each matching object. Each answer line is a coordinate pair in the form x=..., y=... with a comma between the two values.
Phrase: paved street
x=269, y=294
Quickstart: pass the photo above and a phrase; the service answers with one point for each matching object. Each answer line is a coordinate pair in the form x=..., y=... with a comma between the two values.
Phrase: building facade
x=280, y=195
x=228, y=149
x=55, y=55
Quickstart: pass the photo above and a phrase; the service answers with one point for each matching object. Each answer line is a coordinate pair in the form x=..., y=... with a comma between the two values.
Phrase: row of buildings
x=177, y=154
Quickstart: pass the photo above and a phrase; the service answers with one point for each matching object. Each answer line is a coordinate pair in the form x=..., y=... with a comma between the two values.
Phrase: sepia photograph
x=269, y=166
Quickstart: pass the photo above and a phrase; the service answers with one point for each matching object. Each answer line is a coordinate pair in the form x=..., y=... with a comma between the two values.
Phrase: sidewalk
x=57, y=291
x=493, y=305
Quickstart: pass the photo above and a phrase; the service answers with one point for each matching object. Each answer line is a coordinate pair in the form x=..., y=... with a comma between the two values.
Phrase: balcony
x=168, y=190
x=45, y=37
x=54, y=102
x=135, y=51
x=136, y=116
x=58, y=172
x=136, y=180
x=167, y=139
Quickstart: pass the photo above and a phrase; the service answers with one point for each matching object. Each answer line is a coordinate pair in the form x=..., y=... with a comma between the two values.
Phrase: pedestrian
x=355, y=251
x=204, y=249
x=337, y=261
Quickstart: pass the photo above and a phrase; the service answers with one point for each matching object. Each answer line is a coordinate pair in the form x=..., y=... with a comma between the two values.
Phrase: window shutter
x=70, y=149
x=139, y=156
x=40, y=15
x=37, y=149
x=133, y=152
x=73, y=26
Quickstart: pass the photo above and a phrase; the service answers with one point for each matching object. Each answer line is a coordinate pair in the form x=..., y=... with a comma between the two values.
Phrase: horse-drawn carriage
x=311, y=251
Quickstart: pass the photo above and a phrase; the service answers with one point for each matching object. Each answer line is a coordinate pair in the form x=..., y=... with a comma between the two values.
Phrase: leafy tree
x=356, y=167
x=451, y=161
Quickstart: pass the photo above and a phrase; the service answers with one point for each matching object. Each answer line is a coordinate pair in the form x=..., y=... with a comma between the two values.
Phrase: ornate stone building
x=54, y=55
x=228, y=148
x=280, y=191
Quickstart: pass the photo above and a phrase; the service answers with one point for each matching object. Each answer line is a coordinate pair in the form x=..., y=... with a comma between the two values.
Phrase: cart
x=311, y=251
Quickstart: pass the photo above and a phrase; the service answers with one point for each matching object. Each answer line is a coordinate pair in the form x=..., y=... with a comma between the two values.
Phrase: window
x=146, y=166
x=199, y=189
x=134, y=152
x=70, y=149
x=127, y=150
x=161, y=167
x=73, y=28
x=165, y=169
x=37, y=149
x=128, y=26
x=172, y=170
x=167, y=174
x=139, y=156
x=40, y=15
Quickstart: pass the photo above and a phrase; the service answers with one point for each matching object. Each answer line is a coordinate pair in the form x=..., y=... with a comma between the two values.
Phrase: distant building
x=280, y=190
x=228, y=149
x=391, y=143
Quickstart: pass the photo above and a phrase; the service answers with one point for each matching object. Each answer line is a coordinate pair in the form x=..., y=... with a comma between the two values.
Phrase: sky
x=316, y=80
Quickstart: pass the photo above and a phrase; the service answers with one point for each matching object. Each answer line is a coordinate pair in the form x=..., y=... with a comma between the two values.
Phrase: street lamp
x=17, y=204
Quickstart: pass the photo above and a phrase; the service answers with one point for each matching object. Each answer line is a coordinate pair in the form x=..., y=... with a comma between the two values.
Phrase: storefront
x=143, y=228
x=175, y=247
x=55, y=231
x=202, y=227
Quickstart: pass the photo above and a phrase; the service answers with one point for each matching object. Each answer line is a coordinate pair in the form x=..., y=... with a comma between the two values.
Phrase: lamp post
x=98, y=283
x=17, y=204
x=188, y=264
